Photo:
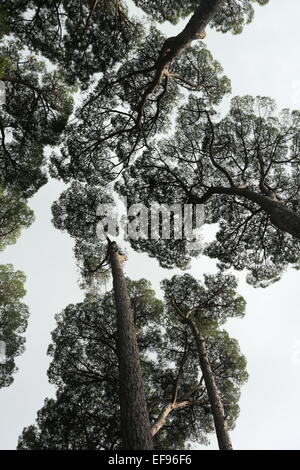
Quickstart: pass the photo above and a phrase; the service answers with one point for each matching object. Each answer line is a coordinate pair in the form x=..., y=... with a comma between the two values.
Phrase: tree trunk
x=194, y=29
x=135, y=426
x=173, y=46
x=214, y=398
x=285, y=219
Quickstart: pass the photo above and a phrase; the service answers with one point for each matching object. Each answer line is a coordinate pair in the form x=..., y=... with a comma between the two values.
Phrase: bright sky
x=263, y=60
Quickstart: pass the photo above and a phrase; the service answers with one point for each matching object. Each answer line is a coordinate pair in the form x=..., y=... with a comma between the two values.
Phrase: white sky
x=263, y=60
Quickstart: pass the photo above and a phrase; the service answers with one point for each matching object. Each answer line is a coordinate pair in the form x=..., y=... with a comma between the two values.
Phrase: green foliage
x=244, y=168
x=76, y=420
x=38, y=105
x=3, y=23
x=232, y=15
x=13, y=319
x=79, y=212
x=85, y=414
x=14, y=215
x=110, y=130
x=217, y=296
x=81, y=37
x=5, y=64
x=88, y=37
x=208, y=305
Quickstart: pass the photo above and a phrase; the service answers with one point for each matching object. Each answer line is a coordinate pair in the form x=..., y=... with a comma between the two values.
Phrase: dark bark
x=173, y=46
x=281, y=216
x=214, y=398
x=135, y=426
x=195, y=29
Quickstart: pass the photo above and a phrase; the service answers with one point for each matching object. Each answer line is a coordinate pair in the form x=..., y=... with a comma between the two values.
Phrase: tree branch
x=173, y=46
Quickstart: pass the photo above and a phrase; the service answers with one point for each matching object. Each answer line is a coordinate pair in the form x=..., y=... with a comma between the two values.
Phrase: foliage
x=231, y=16
x=80, y=37
x=85, y=369
x=37, y=108
x=14, y=215
x=244, y=168
x=121, y=115
x=13, y=319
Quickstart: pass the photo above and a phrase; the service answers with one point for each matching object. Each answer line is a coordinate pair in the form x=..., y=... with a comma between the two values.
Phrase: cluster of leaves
x=13, y=319
x=36, y=111
x=232, y=15
x=14, y=215
x=85, y=368
x=81, y=37
x=78, y=210
x=244, y=168
x=123, y=113
x=88, y=214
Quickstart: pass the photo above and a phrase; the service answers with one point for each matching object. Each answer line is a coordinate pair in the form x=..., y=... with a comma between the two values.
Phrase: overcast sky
x=263, y=60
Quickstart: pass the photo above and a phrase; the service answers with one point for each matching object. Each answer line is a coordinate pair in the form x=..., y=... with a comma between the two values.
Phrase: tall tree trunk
x=135, y=426
x=215, y=401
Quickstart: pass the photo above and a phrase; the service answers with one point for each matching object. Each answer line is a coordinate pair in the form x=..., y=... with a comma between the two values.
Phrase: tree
x=13, y=320
x=142, y=70
x=135, y=425
x=202, y=308
x=228, y=15
x=37, y=107
x=77, y=211
x=134, y=102
x=81, y=204
x=225, y=15
x=85, y=363
x=86, y=414
x=244, y=168
x=14, y=215
x=87, y=37
x=140, y=81
x=110, y=128
x=135, y=95
x=77, y=419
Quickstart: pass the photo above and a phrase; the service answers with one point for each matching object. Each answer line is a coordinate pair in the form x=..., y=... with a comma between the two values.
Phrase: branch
x=89, y=17
x=161, y=420
x=211, y=155
x=173, y=46
x=182, y=79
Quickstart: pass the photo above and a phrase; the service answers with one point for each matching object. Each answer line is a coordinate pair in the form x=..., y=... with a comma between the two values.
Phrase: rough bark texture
x=195, y=29
x=135, y=426
x=285, y=219
x=215, y=401
x=280, y=216
x=173, y=46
